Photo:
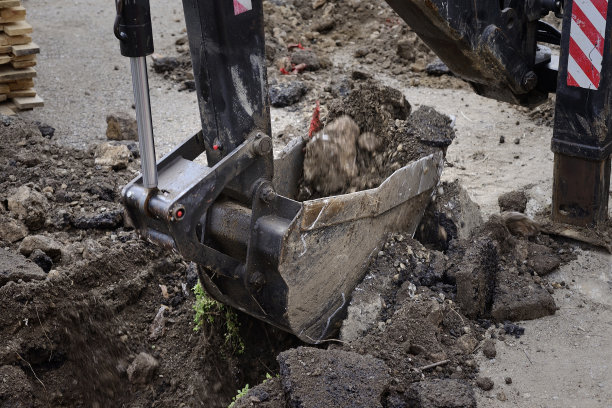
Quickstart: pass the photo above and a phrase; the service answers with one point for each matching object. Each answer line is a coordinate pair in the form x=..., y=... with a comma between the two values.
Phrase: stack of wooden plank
x=17, y=60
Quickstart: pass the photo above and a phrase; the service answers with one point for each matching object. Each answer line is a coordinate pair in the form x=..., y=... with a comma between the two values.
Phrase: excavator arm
x=286, y=262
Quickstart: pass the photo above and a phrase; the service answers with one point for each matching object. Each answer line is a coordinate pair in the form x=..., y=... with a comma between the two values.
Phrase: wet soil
x=70, y=338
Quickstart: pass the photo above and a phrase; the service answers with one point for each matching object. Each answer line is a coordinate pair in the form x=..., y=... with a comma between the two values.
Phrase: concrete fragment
x=14, y=267
x=332, y=378
x=476, y=278
x=318, y=4
x=30, y=205
x=324, y=25
x=115, y=157
x=368, y=141
x=12, y=230
x=143, y=369
x=329, y=163
x=121, y=126
x=158, y=325
x=441, y=394
x=45, y=243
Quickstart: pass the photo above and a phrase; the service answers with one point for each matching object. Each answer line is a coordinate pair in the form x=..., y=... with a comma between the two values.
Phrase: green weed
x=207, y=309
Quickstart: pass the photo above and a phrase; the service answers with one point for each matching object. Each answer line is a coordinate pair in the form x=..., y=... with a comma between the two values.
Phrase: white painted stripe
x=574, y=69
x=589, y=49
x=248, y=4
x=593, y=15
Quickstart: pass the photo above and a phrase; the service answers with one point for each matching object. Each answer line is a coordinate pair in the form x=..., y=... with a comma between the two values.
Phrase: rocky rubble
x=425, y=312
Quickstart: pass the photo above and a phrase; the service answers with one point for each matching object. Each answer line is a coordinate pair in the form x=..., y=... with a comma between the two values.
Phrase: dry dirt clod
x=14, y=267
x=485, y=383
x=488, y=349
x=313, y=378
x=143, y=369
x=121, y=126
x=441, y=394
x=513, y=201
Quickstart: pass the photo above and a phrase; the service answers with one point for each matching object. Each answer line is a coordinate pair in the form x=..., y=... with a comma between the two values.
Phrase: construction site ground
x=73, y=334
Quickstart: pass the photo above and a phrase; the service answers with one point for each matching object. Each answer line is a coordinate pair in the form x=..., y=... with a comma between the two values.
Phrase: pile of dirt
x=422, y=315
x=371, y=133
x=92, y=315
x=316, y=51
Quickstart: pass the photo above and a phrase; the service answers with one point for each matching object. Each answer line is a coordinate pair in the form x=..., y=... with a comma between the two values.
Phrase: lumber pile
x=17, y=60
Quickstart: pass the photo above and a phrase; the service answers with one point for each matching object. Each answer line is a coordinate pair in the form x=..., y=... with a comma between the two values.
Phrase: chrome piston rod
x=140, y=81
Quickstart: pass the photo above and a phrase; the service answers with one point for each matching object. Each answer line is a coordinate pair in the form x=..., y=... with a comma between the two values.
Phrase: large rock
x=330, y=160
x=441, y=394
x=143, y=369
x=46, y=244
x=116, y=157
x=121, y=126
x=12, y=230
x=14, y=267
x=314, y=378
x=30, y=205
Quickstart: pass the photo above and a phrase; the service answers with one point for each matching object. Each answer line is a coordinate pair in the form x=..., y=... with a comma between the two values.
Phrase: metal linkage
x=491, y=44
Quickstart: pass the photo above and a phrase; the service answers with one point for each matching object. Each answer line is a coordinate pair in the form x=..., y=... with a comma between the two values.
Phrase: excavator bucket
x=326, y=247
x=292, y=264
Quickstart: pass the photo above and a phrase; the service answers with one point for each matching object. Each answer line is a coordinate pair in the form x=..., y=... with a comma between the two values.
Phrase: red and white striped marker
x=586, y=48
x=242, y=6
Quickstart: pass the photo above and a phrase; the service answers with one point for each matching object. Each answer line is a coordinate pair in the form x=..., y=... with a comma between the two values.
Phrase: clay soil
x=438, y=319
